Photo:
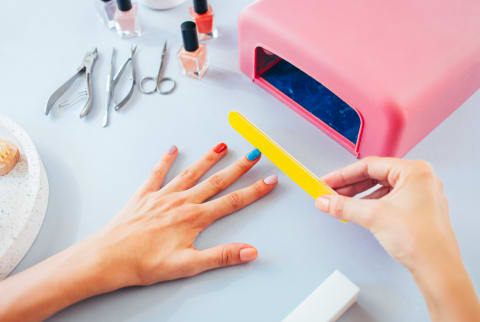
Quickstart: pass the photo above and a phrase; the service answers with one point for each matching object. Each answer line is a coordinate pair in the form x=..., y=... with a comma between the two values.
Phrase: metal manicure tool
x=108, y=98
x=158, y=80
x=85, y=68
x=112, y=82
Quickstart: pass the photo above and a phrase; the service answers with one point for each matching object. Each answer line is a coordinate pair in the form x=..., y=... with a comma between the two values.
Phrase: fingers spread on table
x=224, y=255
x=221, y=180
x=190, y=176
x=157, y=175
x=236, y=200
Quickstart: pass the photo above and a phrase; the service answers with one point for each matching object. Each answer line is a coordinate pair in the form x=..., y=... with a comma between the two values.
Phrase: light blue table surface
x=92, y=171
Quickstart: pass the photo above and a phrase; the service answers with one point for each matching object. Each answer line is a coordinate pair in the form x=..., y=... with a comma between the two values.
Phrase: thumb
x=360, y=211
x=226, y=255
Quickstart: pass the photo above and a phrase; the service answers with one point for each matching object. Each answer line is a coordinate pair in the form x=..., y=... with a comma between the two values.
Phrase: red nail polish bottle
x=203, y=15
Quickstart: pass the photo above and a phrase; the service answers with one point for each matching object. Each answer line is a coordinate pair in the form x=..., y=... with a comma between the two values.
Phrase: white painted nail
x=271, y=180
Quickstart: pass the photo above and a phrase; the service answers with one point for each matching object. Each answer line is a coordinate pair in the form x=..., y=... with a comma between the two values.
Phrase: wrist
x=112, y=265
x=447, y=290
x=102, y=267
x=80, y=272
x=60, y=281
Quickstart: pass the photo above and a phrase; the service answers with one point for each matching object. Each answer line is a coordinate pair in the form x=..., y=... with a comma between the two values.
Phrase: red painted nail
x=220, y=148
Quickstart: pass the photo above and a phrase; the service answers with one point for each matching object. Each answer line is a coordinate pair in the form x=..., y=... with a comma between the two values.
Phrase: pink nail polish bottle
x=192, y=56
x=126, y=18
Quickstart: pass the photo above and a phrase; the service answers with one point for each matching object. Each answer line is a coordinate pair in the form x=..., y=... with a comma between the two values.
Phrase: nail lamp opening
x=377, y=77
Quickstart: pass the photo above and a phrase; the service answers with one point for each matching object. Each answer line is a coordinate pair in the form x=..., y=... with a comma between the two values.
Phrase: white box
x=328, y=302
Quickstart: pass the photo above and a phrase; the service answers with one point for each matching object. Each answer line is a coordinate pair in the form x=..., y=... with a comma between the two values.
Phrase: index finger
x=189, y=177
x=380, y=169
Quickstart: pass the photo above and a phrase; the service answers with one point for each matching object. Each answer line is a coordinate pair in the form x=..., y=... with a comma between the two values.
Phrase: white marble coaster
x=23, y=199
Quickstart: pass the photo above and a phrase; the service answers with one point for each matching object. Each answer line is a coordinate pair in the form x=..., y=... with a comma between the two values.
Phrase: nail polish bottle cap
x=124, y=5
x=189, y=35
x=200, y=6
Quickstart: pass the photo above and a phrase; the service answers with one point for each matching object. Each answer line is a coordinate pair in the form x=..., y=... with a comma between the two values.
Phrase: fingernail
x=220, y=148
x=322, y=203
x=172, y=149
x=254, y=155
x=271, y=180
x=248, y=254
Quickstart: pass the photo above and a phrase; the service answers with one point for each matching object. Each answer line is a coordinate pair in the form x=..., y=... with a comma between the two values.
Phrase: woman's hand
x=149, y=241
x=152, y=237
x=408, y=214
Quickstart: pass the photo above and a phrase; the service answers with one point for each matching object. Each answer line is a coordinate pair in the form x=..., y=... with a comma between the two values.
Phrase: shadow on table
x=356, y=314
x=154, y=37
x=226, y=78
x=227, y=39
x=133, y=302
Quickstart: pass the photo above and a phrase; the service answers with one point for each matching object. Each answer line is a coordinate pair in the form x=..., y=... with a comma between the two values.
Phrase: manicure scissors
x=159, y=80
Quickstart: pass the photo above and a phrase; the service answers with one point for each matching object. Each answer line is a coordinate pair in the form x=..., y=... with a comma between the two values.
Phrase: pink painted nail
x=322, y=203
x=248, y=254
x=271, y=180
x=172, y=149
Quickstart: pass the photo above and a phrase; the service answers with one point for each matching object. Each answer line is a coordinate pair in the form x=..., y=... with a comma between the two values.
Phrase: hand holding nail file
x=281, y=158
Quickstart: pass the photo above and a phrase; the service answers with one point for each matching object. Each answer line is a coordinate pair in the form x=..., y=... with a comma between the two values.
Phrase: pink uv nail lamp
x=377, y=76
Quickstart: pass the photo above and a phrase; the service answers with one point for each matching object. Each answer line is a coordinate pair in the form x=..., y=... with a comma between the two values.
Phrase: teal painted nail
x=254, y=155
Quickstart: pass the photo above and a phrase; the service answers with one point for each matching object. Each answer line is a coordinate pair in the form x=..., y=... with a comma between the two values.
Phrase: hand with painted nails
x=408, y=214
x=159, y=225
x=150, y=240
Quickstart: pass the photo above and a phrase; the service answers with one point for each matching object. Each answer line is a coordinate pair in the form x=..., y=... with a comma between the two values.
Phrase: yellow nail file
x=281, y=158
